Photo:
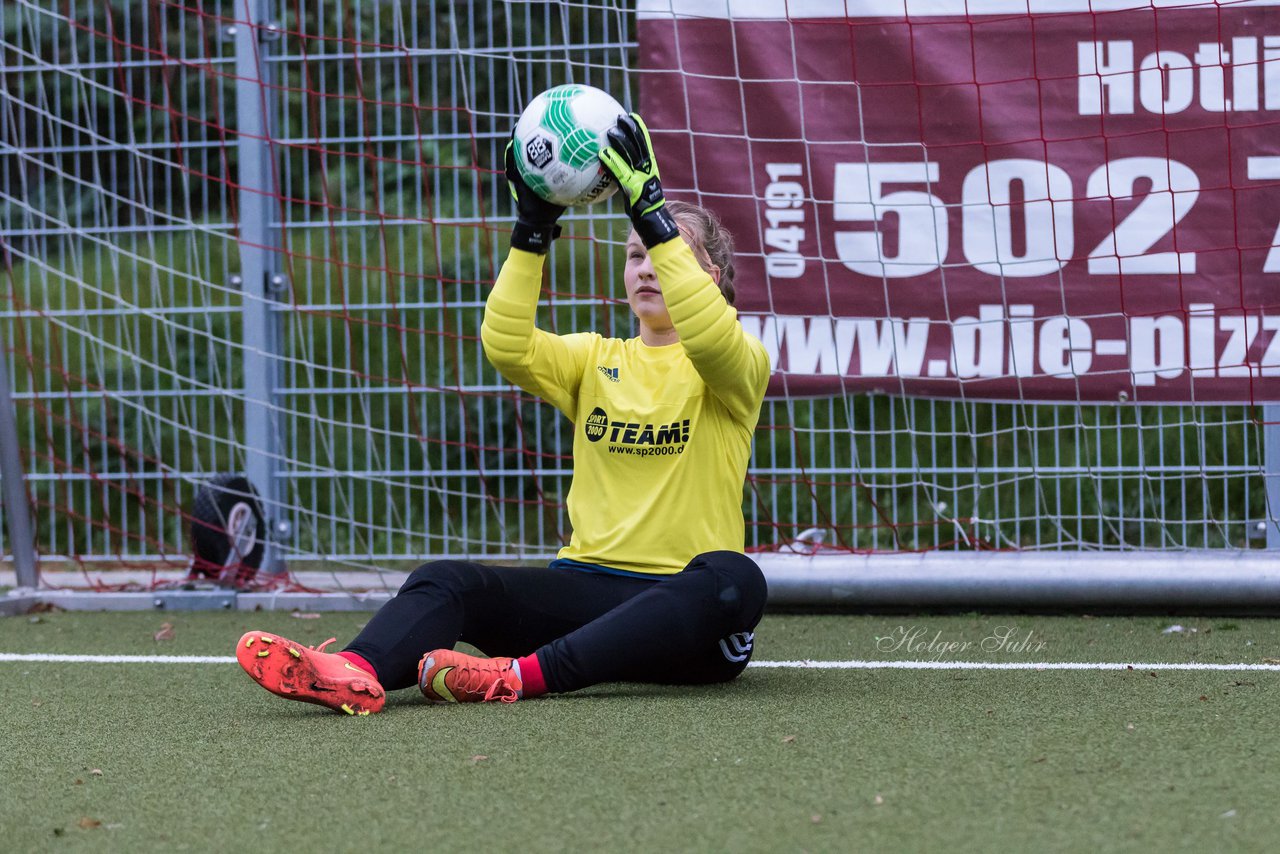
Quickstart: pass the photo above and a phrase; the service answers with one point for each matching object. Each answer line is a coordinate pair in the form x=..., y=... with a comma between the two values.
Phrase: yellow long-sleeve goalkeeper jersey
x=662, y=435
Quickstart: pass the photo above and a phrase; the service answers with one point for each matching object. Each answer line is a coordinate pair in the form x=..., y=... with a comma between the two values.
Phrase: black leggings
x=586, y=627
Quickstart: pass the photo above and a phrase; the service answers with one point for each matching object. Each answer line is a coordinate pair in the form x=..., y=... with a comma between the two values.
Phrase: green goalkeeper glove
x=535, y=216
x=629, y=156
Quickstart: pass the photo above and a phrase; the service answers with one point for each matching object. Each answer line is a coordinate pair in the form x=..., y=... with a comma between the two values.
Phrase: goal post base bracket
x=19, y=602
x=191, y=600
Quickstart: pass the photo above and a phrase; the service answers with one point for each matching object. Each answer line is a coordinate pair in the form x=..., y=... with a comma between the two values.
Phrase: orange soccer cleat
x=447, y=676
x=290, y=670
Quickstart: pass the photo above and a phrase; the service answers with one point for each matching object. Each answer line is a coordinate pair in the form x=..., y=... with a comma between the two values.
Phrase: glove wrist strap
x=534, y=238
x=656, y=227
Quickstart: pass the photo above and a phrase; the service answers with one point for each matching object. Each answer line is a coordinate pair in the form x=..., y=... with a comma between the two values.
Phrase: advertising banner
x=964, y=199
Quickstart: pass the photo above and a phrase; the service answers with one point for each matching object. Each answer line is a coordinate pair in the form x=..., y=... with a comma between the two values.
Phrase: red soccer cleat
x=295, y=672
x=447, y=676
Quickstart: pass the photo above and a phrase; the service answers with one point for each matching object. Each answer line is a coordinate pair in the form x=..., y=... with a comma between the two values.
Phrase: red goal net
x=1016, y=265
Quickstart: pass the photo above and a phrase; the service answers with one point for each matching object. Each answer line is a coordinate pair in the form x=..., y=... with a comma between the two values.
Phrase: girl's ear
x=714, y=272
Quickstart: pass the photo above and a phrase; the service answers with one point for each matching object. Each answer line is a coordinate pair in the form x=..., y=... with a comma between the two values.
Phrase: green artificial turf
x=167, y=757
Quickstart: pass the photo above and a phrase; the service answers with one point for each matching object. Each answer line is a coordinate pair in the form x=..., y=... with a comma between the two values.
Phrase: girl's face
x=644, y=291
x=644, y=294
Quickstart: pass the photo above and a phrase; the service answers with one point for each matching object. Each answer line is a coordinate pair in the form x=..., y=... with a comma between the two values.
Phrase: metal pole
x=1191, y=582
x=259, y=262
x=13, y=481
x=1271, y=472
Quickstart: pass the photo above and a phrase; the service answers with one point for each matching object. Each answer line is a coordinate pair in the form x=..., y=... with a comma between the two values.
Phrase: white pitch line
x=1004, y=665
x=116, y=659
x=799, y=664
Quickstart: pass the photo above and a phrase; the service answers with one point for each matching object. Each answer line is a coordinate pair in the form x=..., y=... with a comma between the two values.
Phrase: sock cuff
x=531, y=675
x=359, y=661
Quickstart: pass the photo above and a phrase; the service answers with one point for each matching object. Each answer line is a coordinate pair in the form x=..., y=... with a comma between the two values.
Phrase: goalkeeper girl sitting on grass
x=653, y=586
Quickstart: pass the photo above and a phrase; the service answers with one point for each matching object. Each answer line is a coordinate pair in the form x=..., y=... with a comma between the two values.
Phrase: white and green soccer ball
x=558, y=139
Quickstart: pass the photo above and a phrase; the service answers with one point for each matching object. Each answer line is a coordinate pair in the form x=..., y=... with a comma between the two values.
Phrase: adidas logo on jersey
x=610, y=373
